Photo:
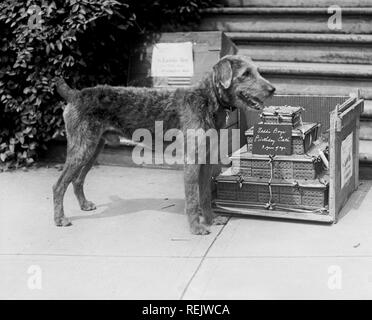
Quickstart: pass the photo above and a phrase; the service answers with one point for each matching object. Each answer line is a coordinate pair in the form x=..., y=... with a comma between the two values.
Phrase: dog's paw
x=212, y=219
x=207, y=218
x=63, y=222
x=200, y=229
x=220, y=220
x=88, y=206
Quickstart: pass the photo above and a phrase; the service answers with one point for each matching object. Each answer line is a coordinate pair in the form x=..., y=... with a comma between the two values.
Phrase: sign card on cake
x=272, y=139
x=172, y=60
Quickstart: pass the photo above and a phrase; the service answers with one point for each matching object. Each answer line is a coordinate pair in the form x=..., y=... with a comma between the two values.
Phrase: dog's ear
x=223, y=73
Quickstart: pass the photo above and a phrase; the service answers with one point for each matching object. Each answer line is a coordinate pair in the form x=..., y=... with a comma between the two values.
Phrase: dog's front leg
x=191, y=178
x=205, y=194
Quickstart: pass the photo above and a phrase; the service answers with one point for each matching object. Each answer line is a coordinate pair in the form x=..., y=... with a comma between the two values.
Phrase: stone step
x=365, y=152
x=305, y=47
x=355, y=20
x=297, y=3
x=318, y=78
x=348, y=11
x=366, y=130
x=367, y=109
x=241, y=37
x=334, y=70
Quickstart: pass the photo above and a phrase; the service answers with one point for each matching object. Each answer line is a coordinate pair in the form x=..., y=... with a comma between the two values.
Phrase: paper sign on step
x=172, y=60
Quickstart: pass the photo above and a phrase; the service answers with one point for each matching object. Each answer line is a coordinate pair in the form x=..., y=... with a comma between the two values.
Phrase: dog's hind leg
x=78, y=155
x=191, y=177
x=205, y=194
x=78, y=183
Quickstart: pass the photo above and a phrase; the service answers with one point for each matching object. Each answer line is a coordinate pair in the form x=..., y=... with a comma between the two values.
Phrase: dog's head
x=238, y=83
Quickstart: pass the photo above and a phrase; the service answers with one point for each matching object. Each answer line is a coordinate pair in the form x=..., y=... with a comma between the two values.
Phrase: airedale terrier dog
x=92, y=113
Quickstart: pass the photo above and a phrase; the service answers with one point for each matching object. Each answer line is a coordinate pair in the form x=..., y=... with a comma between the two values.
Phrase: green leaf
x=59, y=45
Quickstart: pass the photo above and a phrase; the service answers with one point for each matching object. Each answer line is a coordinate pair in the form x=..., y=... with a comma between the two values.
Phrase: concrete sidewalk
x=137, y=245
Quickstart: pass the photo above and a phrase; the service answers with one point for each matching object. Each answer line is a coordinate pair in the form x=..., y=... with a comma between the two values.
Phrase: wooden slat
x=356, y=154
x=341, y=126
x=227, y=207
x=332, y=170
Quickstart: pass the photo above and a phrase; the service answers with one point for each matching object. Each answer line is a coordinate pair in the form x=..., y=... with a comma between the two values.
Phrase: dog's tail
x=65, y=91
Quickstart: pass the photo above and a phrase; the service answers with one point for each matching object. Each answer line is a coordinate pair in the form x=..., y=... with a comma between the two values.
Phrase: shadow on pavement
x=119, y=206
x=356, y=199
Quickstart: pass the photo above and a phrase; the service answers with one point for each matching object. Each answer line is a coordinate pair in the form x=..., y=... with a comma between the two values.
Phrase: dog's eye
x=246, y=73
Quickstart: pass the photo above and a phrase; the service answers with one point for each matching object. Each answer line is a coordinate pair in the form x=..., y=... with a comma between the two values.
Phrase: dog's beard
x=251, y=101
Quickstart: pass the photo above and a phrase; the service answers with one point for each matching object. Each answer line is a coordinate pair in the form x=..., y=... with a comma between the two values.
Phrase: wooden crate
x=302, y=137
x=343, y=127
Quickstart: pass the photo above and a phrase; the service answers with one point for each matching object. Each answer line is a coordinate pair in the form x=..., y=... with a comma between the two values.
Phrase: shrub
x=85, y=41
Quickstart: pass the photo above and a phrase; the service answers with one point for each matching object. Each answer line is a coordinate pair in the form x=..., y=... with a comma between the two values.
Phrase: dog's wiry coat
x=92, y=112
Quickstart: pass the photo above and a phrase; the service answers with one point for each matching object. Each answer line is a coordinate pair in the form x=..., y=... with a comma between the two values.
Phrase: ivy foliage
x=85, y=41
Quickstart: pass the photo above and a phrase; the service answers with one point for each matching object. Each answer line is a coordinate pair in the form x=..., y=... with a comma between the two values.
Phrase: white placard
x=172, y=60
x=346, y=159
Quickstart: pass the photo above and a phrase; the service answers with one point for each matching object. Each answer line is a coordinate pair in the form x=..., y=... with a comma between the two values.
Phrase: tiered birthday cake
x=280, y=167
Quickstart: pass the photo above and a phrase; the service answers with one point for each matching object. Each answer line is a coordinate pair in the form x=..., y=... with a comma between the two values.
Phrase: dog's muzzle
x=253, y=102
